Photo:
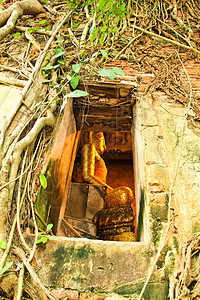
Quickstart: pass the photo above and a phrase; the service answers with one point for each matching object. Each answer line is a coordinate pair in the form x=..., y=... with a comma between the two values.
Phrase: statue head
x=98, y=141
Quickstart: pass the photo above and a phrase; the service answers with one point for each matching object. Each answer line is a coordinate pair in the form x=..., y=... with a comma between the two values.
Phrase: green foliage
x=7, y=266
x=30, y=30
x=76, y=68
x=43, y=238
x=59, y=52
x=108, y=11
x=74, y=94
x=36, y=28
x=104, y=53
x=17, y=34
x=59, y=41
x=111, y=73
x=73, y=81
x=77, y=94
x=3, y=245
x=43, y=181
x=42, y=22
x=48, y=28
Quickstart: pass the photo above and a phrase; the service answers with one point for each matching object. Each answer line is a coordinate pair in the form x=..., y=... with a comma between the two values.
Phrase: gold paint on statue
x=95, y=171
x=116, y=200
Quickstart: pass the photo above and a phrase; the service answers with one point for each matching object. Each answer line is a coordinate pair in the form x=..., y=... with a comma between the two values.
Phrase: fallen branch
x=32, y=40
x=71, y=228
x=15, y=70
x=13, y=81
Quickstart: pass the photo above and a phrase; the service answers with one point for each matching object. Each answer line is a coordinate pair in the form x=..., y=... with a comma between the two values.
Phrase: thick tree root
x=14, y=12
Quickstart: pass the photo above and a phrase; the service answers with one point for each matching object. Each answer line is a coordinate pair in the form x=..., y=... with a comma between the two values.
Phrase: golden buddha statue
x=94, y=171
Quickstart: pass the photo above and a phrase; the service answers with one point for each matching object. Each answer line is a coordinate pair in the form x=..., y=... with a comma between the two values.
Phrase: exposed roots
x=186, y=283
x=14, y=12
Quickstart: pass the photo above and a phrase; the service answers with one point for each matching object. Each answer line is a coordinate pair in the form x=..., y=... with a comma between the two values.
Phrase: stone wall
x=170, y=156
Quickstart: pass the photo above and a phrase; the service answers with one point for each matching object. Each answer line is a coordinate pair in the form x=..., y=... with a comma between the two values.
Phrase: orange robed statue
x=94, y=170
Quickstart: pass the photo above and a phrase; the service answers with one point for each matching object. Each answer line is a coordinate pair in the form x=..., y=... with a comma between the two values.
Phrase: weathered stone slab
x=83, y=264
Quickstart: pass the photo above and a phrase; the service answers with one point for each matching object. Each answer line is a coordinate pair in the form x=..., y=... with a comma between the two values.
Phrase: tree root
x=19, y=252
x=14, y=12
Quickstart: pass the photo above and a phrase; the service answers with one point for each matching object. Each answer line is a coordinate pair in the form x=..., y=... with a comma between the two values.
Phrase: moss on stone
x=176, y=244
x=161, y=259
x=156, y=227
x=154, y=291
x=83, y=252
x=196, y=227
x=64, y=255
x=80, y=278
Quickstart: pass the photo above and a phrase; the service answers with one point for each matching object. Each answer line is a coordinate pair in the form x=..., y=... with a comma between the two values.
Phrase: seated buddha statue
x=94, y=170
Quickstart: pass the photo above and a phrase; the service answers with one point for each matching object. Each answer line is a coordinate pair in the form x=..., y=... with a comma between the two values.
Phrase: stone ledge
x=84, y=265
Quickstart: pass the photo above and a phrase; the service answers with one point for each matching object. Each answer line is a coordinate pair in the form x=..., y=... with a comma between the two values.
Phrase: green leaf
x=48, y=68
x=43, y=181
x=74, y=82
x=44, y=239
x=17, y=34
x=123, y=7
x=45, y=74
x=107, y=72
x=3, y=245
x=38, y=241
x=49, y=226
x=58, y=54
x=6, y=267
x=102, y=38
x=94, y=34
x=76, y=68
x=101, y=4
x=92, y=28
x=60, y=61
x=58, y=49
x=103, y=52
x=77, y=94
x=74, y=94
x=36, y=28
x=29, y=30
x=48, y=28
x=118, y=71
x=42, y=22
x=111, y=76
